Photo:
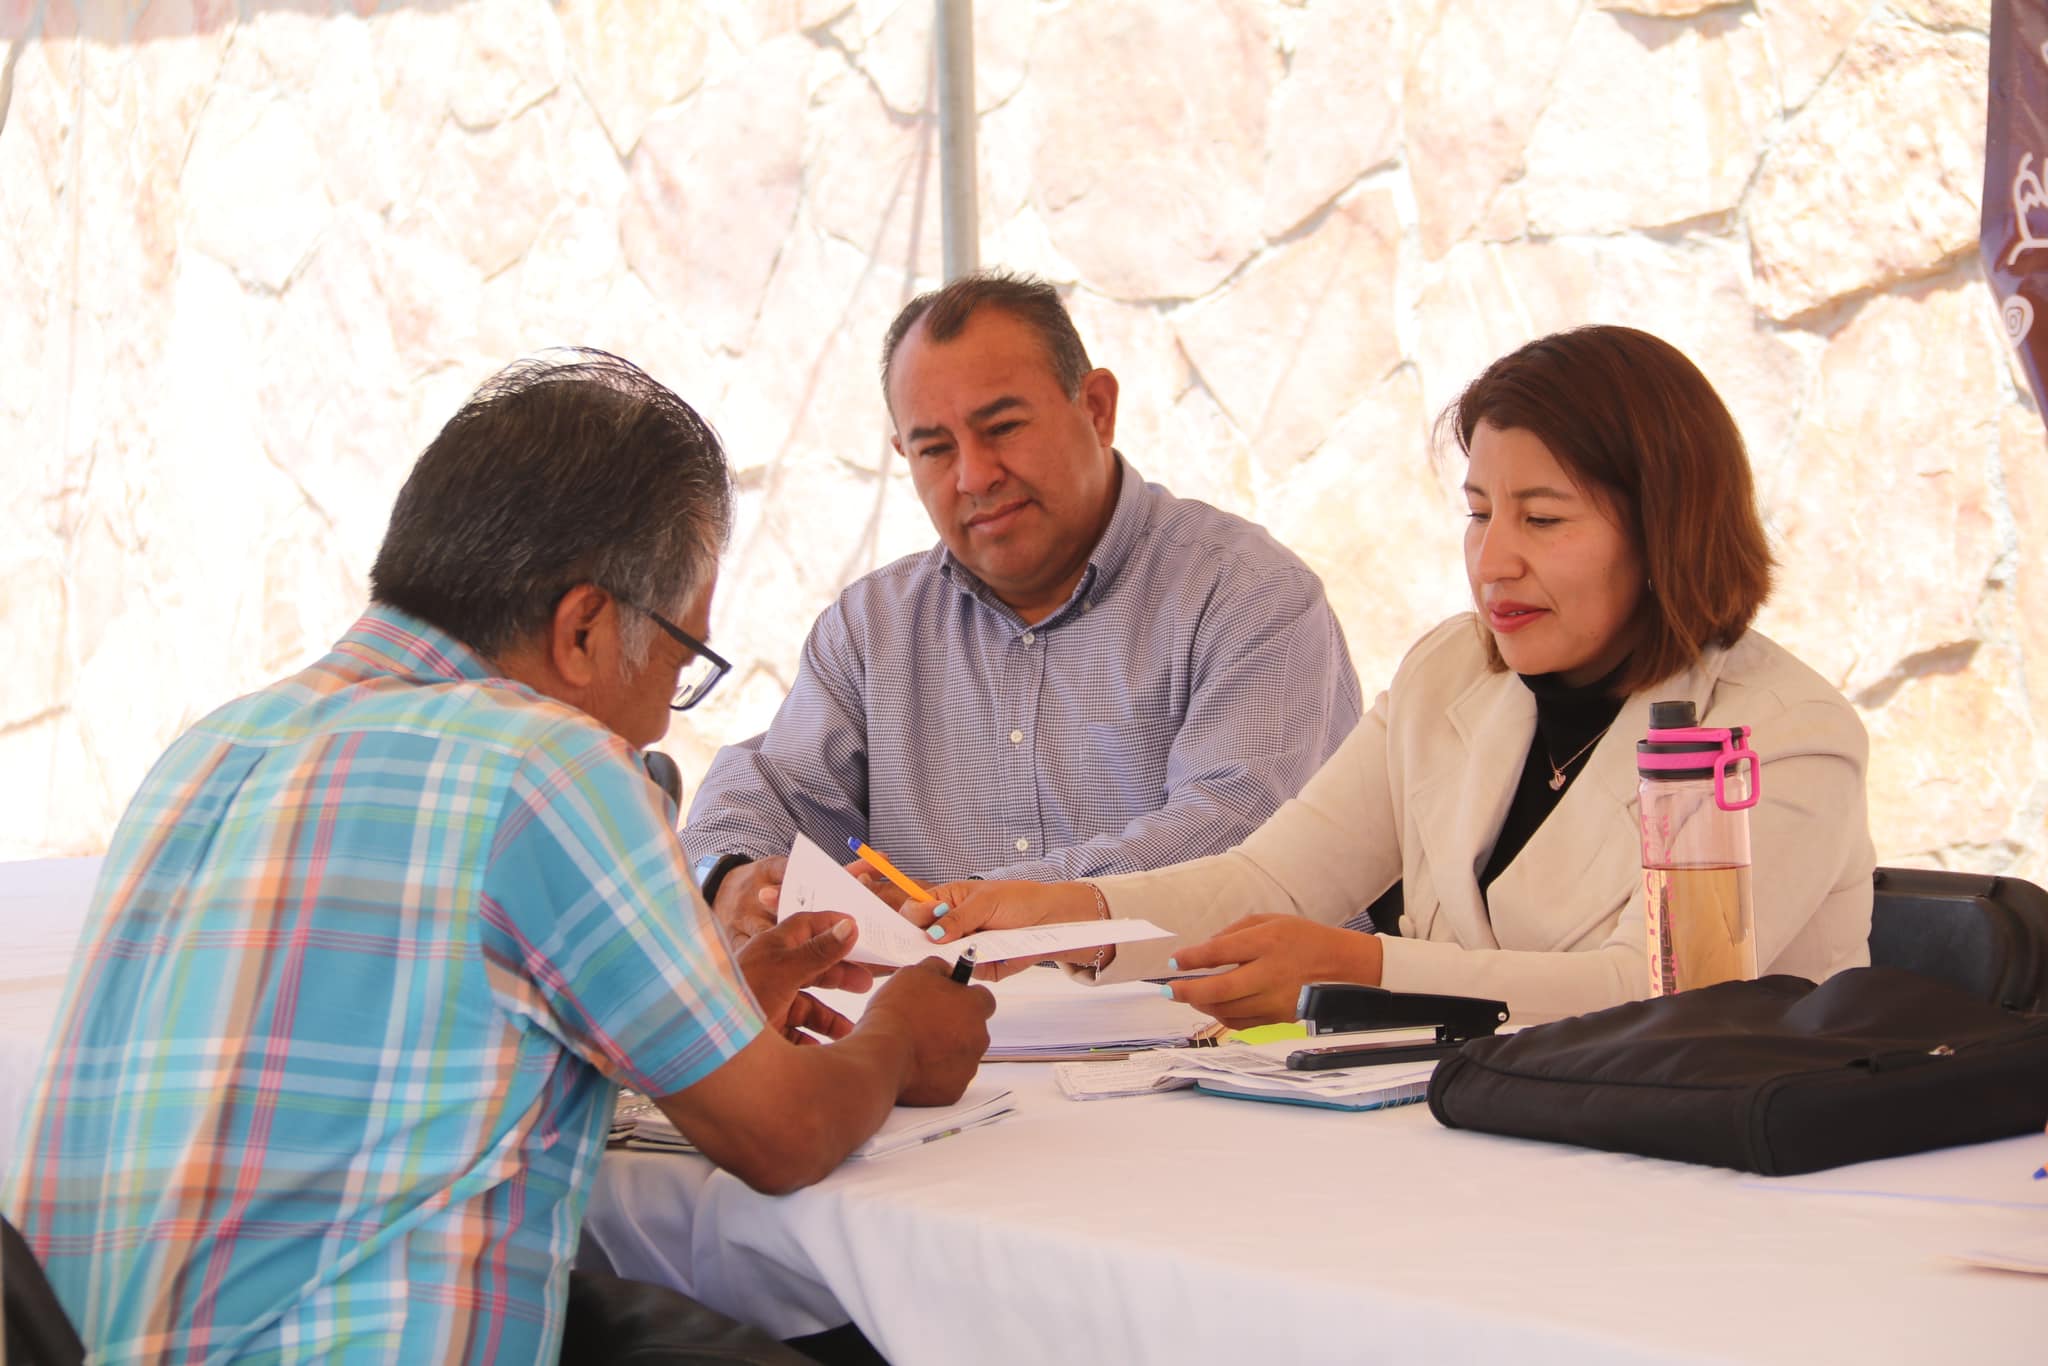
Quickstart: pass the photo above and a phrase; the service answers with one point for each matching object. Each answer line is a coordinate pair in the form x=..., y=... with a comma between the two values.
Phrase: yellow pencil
x=874, y=860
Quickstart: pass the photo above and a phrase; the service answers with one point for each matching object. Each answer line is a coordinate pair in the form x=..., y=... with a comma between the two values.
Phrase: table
x=1191, y=1229
x=1185, y=1228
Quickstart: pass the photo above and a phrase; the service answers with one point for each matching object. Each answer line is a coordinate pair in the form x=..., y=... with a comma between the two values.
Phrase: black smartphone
x=1368, y=1054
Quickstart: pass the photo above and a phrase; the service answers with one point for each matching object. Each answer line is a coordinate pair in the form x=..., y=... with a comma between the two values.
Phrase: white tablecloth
x=1185, y=1228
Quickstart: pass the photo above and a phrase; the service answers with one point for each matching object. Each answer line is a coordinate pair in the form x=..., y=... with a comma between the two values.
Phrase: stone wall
x=255, y=253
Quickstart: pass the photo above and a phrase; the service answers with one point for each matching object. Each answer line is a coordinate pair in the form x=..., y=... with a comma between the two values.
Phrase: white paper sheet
x=816, y=881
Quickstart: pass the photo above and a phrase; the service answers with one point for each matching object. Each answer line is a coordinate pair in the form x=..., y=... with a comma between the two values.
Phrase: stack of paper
x=814, y=880
x=631, y=1109
x=906, y=1127
x=1246, y=1073
x=1092, y=1024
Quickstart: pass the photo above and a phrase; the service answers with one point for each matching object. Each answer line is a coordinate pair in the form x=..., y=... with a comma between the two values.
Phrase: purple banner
x=2014, y=240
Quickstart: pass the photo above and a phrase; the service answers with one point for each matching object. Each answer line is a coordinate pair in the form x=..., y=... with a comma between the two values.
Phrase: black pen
x=963, y=967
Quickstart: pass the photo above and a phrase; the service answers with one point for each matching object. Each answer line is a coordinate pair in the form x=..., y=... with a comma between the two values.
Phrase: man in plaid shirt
x=375, y=946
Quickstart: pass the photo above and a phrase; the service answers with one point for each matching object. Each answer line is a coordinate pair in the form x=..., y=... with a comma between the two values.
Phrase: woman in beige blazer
x=1486, y=808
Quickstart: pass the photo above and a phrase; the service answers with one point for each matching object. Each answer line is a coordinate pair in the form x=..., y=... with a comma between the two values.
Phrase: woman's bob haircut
x=1640, y=430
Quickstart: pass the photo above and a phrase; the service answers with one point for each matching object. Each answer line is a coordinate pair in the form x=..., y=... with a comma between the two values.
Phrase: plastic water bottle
x=1697, y=784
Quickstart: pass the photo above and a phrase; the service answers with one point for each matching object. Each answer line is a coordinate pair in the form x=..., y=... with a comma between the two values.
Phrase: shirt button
x=1022, y=845
x=1030, y=636
x=1016, y=737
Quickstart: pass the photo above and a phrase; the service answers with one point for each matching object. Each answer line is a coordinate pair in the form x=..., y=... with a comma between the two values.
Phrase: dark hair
x=1024, y=297
x=1640, y=428
x=557, y=473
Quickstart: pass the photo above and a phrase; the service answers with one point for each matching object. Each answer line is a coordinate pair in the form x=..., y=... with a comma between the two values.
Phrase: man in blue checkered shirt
x=1087, y=675
x=375, y=946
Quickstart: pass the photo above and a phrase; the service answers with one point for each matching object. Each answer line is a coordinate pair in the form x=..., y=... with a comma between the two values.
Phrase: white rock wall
x=255, y=253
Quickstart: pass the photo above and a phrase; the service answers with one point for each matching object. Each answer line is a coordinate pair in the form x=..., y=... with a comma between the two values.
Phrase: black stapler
x=1344, y=1008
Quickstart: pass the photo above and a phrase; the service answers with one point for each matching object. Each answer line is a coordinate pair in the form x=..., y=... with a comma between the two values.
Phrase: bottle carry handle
x=1735, y=752
x=1734, y=743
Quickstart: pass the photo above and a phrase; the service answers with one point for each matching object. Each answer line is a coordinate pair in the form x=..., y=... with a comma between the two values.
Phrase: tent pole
x=954, y=40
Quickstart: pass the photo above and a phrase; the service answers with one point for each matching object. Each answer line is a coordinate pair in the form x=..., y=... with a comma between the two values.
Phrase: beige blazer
x=1420, y=789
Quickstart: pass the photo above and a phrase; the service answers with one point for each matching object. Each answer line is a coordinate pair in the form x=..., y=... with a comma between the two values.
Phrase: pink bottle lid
x=1677, y=747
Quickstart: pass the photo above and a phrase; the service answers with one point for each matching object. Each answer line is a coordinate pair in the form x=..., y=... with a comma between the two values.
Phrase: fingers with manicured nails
x=923, y=913
x=1235, y=1015
x=973, y=906
x=1240, y=999
x=1196, y=957
x=1237, y=942
x=1277, y=954
x=1205, y=992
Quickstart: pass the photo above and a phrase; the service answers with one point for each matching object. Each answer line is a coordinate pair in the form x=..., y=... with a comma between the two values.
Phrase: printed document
x=816, y=881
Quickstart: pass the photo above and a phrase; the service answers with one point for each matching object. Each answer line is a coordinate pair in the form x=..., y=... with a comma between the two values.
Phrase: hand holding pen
x=963, y=967
x=875, y=859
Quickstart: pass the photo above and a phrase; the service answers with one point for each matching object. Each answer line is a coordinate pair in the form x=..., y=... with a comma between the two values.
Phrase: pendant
x=1556, y=779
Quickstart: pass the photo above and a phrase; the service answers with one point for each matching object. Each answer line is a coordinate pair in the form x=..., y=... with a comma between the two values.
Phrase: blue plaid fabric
x=368, y=957
x=1193, y=682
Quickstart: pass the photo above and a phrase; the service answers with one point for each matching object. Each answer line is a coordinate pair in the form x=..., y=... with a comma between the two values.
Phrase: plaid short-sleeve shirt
x=371, y=952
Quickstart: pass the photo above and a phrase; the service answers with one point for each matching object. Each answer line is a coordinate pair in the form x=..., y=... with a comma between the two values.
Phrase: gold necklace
x=1557, y=778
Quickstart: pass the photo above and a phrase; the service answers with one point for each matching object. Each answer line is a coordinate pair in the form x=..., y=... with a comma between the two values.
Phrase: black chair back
x=1985, y=933
x=37, y=1332
x=664, y=774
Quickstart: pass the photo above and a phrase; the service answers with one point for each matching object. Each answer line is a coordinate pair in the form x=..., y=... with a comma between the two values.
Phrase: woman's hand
x=972, y=906
x=1276, y=955
x=965, y=907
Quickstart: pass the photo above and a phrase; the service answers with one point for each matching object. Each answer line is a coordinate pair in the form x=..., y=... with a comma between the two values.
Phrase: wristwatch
x=711, y=870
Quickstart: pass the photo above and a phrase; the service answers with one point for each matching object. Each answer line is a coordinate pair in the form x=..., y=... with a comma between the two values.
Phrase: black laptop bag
x=1777, y=1076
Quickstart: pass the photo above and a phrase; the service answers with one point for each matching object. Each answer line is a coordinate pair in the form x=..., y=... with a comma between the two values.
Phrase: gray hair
x=1025, y=297
x=557, y=473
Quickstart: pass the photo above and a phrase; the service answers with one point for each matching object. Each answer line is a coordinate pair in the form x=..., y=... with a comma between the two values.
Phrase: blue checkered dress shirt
x=1194, y=680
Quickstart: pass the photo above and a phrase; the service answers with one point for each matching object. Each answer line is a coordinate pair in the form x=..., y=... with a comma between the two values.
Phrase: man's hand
x=945, y=1024
x=806, y=950
x=1276, y=955
x=747, y=896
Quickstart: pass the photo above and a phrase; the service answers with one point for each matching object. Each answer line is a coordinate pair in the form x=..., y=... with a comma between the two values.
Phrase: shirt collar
x=1112, y=550
x=395, y=642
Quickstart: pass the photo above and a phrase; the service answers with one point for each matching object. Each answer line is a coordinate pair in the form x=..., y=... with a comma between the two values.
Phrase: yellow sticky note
x=1272, y=1033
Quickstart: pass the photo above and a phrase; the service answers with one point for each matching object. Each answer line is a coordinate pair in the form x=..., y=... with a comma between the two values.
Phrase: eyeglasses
x=701, y=674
